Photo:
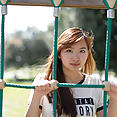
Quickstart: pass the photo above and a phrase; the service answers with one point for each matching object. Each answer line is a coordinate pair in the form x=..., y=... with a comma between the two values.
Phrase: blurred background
x=29, y=33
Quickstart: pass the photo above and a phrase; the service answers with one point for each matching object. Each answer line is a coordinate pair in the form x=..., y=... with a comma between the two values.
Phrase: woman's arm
x=112, y=108
x=33, y=108
x=43, y=88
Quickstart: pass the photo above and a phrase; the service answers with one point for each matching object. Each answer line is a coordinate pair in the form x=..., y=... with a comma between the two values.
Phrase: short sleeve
x=100, y=94
x=36, y=80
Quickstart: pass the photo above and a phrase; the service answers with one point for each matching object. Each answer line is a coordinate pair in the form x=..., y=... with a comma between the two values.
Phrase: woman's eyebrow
x=69, y=47
x=83, y=48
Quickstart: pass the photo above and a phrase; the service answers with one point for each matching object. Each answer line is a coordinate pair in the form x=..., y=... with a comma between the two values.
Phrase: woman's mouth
x=74, y=64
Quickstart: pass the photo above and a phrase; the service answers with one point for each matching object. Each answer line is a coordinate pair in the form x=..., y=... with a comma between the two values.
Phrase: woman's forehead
x=79, y=44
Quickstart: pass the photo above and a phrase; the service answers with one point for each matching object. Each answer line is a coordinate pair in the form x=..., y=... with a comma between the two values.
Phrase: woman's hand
x=111, y=89
x=2, y=84
x=43, y=87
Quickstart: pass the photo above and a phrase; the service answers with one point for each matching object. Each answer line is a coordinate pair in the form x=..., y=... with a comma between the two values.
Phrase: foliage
x=27, y=48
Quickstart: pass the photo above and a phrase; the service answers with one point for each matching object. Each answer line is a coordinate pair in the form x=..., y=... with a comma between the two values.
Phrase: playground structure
x=93, y=4
x=110, y=5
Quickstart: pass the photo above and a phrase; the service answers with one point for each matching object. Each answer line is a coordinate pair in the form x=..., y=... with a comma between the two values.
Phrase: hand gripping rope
x=110, y=4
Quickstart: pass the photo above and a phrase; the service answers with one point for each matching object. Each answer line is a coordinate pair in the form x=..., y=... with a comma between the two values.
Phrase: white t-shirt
x=88, y=100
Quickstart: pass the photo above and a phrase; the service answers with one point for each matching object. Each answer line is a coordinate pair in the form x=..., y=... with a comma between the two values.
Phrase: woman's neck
x=72, y=77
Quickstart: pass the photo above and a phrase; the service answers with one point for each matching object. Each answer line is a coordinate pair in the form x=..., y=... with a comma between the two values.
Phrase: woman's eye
x=68, y=50
x=83, y=51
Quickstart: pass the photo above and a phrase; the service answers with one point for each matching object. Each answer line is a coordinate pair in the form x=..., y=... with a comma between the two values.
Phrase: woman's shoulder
x=93, y=79
x=39, y=77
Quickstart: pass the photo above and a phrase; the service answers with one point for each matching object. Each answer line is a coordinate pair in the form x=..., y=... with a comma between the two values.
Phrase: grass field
x=15, y=101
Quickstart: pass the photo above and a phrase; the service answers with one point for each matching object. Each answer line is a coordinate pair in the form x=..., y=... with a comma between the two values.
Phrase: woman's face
x=73, y=58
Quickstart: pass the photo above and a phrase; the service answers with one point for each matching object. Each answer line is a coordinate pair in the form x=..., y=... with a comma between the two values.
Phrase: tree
x=27, y=48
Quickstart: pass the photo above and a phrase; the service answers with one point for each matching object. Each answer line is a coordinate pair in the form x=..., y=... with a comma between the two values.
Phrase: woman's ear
x=59, y=55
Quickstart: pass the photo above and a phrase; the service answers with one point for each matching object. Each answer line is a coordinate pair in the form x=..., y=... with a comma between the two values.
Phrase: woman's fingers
x=111, y=89
x=107, y=86
x=43, y=88
x=47, y=84
x=53, y=84
x=2, y=84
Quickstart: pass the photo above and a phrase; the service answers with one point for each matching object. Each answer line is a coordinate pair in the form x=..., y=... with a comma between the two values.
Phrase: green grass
x=15, y=101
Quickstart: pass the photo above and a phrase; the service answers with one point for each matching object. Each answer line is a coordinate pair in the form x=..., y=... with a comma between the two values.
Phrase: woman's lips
x=74, y=64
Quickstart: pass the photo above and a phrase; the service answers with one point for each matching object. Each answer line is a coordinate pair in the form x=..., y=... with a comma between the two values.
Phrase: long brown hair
x=65, y=101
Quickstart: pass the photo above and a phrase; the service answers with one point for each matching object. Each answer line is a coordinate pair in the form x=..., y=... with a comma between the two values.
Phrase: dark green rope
x=55, y=57
x=2, y=48
x=54, y=64
x=2, y=61
x=79, y=85
x=5, y=2
x=19, y=86
x=59, y=3
x=55, y=48
x=2, y=54
x=59, y=85
x=107, y=53
x=107, y=5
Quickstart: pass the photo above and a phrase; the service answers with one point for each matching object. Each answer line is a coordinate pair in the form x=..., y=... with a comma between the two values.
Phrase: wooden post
x=94, y=4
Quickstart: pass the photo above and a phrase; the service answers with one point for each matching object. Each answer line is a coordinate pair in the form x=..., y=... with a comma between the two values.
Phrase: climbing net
x=110, y=4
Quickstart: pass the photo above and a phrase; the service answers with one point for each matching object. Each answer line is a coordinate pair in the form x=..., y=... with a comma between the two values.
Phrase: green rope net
x=108, y=36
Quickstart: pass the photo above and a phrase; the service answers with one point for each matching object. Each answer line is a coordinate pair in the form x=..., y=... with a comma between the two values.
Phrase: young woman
x=75, y=64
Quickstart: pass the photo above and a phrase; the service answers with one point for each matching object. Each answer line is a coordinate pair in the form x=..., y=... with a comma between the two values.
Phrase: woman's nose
x=76, y=57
